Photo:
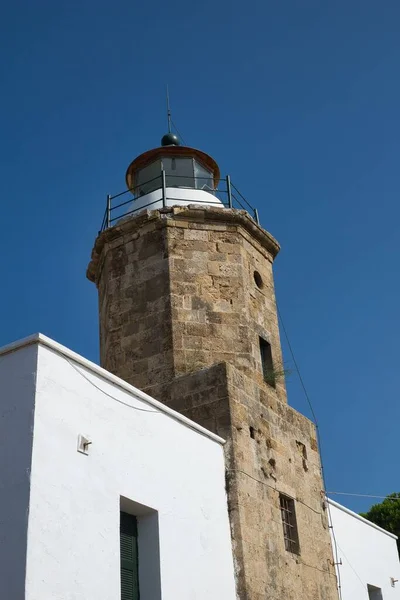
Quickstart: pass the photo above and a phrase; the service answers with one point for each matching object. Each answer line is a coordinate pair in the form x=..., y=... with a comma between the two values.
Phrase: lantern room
x=173, y=175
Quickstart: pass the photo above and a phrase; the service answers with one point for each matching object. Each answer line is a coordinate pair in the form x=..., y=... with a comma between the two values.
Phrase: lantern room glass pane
x=179, y=172
x=203, y=177
x=148, y=179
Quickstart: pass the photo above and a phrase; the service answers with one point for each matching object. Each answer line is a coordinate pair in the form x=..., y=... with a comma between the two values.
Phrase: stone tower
x=188, y=314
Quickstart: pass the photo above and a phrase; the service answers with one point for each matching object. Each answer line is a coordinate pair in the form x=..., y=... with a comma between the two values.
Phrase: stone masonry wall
x=218, y=311
x=185, y=295
x=177, y=293
x=271, y=448
x=132, y=274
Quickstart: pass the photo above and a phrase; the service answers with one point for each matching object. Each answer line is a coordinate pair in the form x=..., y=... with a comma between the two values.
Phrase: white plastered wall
x=140, y=451
x=368, y=555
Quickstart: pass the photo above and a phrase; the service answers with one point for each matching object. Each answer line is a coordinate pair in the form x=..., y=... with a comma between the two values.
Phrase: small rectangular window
x=374, y=593
x=290, y=532
x=266, y=362
x=129, y=557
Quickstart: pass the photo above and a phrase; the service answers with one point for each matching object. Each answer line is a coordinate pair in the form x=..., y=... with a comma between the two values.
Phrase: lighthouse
x=187, y=314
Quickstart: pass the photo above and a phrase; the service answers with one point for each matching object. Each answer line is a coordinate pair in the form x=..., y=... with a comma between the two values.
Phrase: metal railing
x=226, y=194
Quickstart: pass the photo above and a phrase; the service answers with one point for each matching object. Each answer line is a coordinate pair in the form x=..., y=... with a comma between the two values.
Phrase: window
x=266, y=362
x=179, y=172
x=258, y=280
x=129, y=557
x=374, y=593
x=204, y=177
x=290, y=533
x=148, y=179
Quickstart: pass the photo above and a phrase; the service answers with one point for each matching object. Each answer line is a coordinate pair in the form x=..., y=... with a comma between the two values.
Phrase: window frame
x=289, y=524
x=174, y=180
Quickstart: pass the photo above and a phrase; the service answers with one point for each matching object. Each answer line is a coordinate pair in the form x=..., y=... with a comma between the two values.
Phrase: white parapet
x=175, y=197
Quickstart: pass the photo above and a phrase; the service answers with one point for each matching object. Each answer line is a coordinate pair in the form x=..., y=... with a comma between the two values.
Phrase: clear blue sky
x=298, y=101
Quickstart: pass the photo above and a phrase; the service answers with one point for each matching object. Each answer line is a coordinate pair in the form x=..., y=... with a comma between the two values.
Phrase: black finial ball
x=170, y=139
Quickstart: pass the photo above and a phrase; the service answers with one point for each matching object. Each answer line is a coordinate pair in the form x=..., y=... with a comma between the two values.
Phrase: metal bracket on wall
x=334, y=564
x=83, y=444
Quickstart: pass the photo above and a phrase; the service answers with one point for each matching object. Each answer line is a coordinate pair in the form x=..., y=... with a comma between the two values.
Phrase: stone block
x=195, y=234
x=228, y=248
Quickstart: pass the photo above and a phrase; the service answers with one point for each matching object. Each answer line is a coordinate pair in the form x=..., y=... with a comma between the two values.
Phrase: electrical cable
x=336, y=545
x=271, y=486
x=251, y=477
x=247, y=474
x=319, y=445
x=352, y=568
x=362, y=495
x=177, y=131
x=297, y=368
x=316, y=568
x=301, y=502
x=156, y=412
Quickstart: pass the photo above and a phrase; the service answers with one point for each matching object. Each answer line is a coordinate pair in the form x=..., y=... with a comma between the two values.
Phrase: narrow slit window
x=129, y=557
x=266, y=362
x=290, y=532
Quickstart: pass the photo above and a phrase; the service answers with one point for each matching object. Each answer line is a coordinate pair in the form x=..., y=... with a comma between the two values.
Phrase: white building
x=369, y=566
x=94, y=474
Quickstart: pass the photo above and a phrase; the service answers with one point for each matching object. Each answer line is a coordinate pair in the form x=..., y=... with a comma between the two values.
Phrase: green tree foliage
x=386, y=515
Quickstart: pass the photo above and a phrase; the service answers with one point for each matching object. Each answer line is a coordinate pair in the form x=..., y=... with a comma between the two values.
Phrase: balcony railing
x=226, y=193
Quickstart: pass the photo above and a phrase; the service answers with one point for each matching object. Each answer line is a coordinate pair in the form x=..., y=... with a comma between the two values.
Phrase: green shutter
x=129, y=557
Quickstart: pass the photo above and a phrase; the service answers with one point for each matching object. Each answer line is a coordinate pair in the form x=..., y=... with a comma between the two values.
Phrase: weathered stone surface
x=278, y=456
x=181, y=316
